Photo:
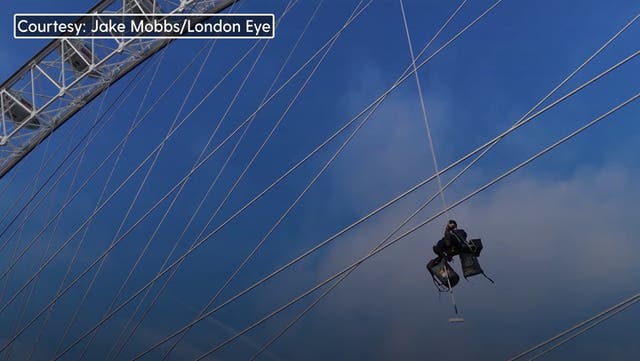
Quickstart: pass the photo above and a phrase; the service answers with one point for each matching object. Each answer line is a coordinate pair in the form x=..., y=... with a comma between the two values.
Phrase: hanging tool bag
x=470, y=265
x=443, y=275
x=473, y=247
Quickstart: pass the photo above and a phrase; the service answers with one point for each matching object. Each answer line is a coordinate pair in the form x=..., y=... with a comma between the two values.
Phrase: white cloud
x=559, y=249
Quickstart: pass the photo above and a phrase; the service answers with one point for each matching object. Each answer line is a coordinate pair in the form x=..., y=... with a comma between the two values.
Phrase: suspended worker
x=452, y=242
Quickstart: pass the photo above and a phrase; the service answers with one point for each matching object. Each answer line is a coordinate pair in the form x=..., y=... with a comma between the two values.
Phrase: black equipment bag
x=473, y=247
x=442, y=273
x=470, y=265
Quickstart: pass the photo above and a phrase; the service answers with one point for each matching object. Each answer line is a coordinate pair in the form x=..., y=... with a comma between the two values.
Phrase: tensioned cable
x=157, y=227
x=70, y=151
x=430, y=140
x=49, y=243
x=423, y=107
x=424, y=205
x=270, y=342
x=73, y=182
x=20, y=230
x=60, y=177
x=178, y=193
x=148, y=308
x=147, y=245
x=53, y=232
x=81, y=156
x=424, y=182
x=586, y=322
x=78, y=247
x=17, y=200
x=420, y=225
x=587, y=328
x=28, y=202
x=122, y=147
x=15, y=206
x=156, y=230
x=282, y=85
x=409, y=191
x=135, y=198
x=132, y=203
x=25, y=303
x=8, y=183
x=200, y=164
x=286, y=212
x=5, y=229
x=227, y=139
x=16, y=218
x=170, y=86
x=98, y=118
x=152, y=152
x=182, y=186
x=417, y=186
x=168, y=210
x=192, y=218
x=90, y=135
x=116, y=147
x=52, y=235
x=88, y=219
x=113, y=104
x=304, y=65
x=26, y=297
x=51, y=238
x=254, y=250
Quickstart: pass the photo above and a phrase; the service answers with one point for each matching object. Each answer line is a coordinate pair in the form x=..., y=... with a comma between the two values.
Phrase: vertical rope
x=430, y=139
x=424, y=111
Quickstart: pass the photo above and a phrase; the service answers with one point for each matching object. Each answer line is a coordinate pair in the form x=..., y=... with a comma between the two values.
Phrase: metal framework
x=68, y=73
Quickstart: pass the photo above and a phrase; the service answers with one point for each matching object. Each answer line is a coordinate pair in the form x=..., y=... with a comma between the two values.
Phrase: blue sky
x=559, y=234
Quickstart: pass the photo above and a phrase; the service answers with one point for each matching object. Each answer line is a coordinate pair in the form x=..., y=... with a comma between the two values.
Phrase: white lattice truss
x=68, y=73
